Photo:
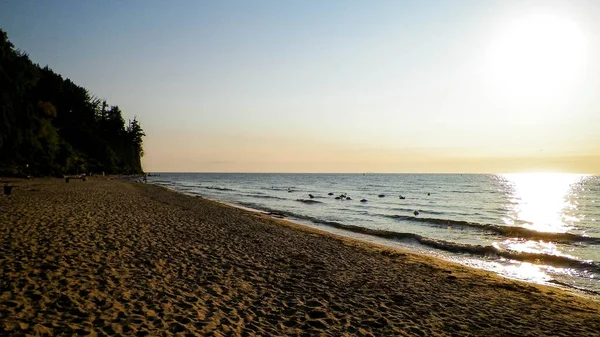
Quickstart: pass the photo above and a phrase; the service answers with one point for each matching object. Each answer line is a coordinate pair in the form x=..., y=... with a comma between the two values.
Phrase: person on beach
x=7, y=189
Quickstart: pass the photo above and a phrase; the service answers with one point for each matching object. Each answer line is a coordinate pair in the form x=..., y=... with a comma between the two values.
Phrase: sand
x=106, y=257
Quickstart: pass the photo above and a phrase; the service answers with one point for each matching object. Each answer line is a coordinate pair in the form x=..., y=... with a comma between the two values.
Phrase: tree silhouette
x=51, y=126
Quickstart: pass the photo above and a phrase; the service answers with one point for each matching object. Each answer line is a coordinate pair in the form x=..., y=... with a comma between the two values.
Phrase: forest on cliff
x=49, y=126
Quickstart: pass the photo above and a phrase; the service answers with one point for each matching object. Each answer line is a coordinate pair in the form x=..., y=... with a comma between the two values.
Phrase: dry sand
x=115, y=258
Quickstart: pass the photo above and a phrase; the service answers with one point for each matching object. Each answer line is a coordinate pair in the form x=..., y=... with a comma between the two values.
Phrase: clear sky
x=335, y=86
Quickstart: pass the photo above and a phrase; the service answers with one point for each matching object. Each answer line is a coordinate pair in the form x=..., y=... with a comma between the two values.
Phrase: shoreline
x=107, y=255
x=333, y=228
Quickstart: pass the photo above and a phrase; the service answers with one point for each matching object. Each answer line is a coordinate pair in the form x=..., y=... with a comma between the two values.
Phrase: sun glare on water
x=535, y=54
x=540, y=200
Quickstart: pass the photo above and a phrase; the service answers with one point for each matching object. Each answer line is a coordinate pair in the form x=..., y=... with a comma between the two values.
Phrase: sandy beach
x=107, y=257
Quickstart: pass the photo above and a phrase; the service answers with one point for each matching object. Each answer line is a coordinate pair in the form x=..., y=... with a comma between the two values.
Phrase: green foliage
x=51, y=126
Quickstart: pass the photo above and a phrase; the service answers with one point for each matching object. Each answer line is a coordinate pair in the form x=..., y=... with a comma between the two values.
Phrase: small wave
x=274, y=188
x=161, y=181
x=432, y=212
x=309, y=201
x=400, y=209
x=265, y=196
x=454, y=247
x=467, y=192
x=509, y=231
x=216, y=188
x=593, y=292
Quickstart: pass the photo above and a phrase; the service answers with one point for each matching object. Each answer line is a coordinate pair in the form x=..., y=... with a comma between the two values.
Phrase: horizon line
x=365, y=173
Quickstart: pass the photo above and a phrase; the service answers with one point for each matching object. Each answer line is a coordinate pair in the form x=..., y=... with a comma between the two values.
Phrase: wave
x=217, y=188
x=509, y=231
x=160, y=181
x=274, y=188
x=465, y=191
x=399, y=209
x=432, y=212
x=265, y=196
x=309, y=201
x=589, y=291
x=454, y=247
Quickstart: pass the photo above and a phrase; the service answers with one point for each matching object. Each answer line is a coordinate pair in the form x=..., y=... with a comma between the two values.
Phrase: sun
x=535, y=54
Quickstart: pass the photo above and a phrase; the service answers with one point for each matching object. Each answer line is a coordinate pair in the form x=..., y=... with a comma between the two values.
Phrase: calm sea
x=537, y=227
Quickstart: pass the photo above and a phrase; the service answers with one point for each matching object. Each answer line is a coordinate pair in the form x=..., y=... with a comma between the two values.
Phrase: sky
x=335, y=86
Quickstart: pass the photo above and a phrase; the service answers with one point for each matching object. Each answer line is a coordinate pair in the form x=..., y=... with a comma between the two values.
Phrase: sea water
x=538, y=227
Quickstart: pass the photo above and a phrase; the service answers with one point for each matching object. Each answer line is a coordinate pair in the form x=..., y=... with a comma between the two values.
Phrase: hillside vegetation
x=51, y=126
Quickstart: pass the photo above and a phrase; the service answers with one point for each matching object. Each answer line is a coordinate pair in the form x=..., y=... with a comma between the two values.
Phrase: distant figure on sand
x=7, y=189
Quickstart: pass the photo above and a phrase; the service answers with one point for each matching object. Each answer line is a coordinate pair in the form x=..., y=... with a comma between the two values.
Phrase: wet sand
x=107, y=257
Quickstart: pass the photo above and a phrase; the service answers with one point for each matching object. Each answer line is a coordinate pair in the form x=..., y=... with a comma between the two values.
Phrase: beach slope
x=105, y=257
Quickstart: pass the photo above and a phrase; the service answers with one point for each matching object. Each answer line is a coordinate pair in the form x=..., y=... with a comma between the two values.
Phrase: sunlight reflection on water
x=531, y=246
x=540, y=201
x=543, y=202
